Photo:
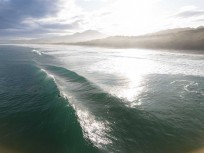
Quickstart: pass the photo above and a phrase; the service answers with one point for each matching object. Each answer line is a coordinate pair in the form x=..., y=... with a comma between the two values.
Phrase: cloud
x=189, y=11
x=199, y=20
x=41, y=17
x=13, y=12
x=61, y=26
x=38, y=18
x=40, y=30
x=188, y=14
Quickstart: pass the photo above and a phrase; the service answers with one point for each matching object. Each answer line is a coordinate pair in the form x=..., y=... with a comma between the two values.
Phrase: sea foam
x=37, y=52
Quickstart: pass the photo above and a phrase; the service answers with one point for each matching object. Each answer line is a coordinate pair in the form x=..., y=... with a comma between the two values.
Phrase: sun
x=133, y=16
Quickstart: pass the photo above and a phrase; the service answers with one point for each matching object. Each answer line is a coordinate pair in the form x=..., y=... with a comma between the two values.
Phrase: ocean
x=74, y=99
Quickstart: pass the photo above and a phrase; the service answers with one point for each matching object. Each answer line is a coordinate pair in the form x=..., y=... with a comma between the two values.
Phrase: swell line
x=73, y=127
x=94, y=129
x=100, y=113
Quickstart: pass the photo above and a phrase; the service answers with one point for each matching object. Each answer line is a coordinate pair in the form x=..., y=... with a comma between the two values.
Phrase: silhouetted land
x=173, y=39
x=177, y=39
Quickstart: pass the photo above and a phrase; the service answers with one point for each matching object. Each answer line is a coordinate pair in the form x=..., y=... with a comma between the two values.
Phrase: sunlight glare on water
x=132, y=69
x=94, y=130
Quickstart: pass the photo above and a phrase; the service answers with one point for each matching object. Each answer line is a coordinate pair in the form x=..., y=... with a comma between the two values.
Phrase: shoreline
x=168, y=50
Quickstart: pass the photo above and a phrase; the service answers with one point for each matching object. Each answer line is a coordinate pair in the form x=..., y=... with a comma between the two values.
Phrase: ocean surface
x=69, y=99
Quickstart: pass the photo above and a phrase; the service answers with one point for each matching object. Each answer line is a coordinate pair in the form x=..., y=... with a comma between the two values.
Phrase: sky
x=45, y=18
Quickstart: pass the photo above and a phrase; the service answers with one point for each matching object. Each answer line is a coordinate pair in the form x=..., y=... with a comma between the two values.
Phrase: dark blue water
x=64, y=99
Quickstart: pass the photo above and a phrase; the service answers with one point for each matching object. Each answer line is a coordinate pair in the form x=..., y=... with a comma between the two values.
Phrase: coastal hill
x=73, y=38
x=178, y=39
x=174, y=39
x=76, y=37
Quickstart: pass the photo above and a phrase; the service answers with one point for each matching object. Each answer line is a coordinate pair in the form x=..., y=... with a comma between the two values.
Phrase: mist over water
x=69, y=99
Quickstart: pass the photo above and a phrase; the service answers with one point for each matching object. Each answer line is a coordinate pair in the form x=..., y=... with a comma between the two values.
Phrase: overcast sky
x=43, y=18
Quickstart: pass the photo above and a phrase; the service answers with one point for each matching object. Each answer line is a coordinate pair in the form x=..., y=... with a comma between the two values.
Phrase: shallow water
x=68, y=99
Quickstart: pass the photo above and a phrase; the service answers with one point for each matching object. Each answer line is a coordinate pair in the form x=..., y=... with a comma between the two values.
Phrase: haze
x=36, y=19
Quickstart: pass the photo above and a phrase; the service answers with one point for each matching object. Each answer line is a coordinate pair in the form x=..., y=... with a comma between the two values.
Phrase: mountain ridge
x=181, y=39
x=73, y=38
x=76, y=37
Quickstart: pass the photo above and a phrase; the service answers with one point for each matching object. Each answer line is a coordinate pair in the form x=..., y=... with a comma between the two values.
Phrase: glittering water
x=65, y=99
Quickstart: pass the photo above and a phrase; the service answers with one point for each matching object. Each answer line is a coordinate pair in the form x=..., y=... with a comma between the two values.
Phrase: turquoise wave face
x=63, y=102
x=34, y=117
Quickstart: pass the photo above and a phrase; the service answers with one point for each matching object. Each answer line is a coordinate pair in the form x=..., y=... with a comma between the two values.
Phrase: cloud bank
x=25, y=18
x=44, y=18
x=13, y=12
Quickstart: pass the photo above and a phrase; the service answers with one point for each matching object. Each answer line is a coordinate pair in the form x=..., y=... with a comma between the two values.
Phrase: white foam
x=37, y=52
x=188, y=86
x=94, y=130
x=49, y=75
